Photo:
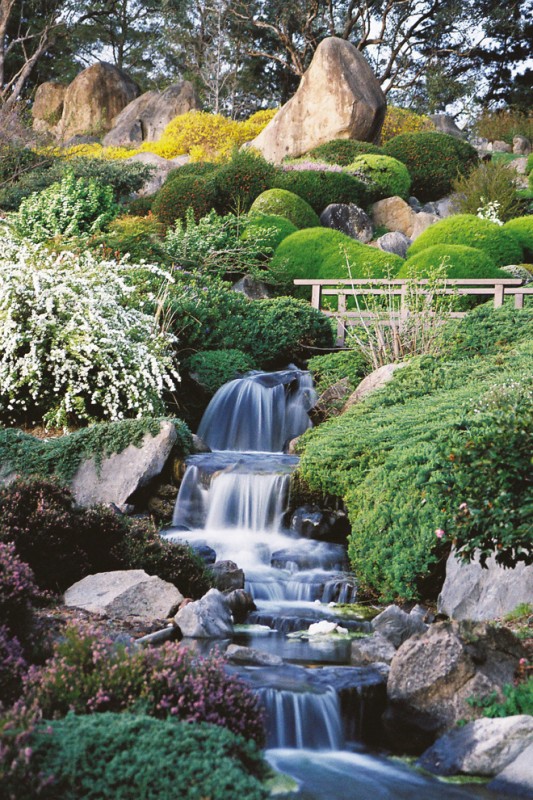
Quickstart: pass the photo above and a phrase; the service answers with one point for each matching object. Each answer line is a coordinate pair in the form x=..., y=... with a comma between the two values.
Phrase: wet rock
x=349, y=219
x=371, y=649
x=241, y=603
x=206, y=553
x=313, y=522
x=396, y=626
x=249, y=656
x=516, y=779
x=228, y=576
x=207, y=618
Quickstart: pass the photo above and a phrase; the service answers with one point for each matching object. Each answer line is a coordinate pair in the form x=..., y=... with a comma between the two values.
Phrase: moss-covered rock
x=388, y=177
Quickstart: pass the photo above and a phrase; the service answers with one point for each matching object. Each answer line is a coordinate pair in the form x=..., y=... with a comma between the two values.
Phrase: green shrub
x=240, y=180
x=460, y=262
x=125, y=756
x=198, y=192
x=387, y=176
x=196, y=168
x=488, y=331
x=529, y=164
x=402, y=120
x=137, y=237
x=518, y=699
x=433, y=159
x=466, y=229
x=213, y=368
x=140, y=206
x=73, y=207
x=334, y=367
x=285, y=204
x=490, y=184
x=503, y=125
x=342, y=151
x=321, y=188
x=268, y=230
x=522, y=230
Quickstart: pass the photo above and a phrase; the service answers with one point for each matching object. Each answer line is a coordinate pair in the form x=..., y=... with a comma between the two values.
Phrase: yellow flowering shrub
x=401, y=120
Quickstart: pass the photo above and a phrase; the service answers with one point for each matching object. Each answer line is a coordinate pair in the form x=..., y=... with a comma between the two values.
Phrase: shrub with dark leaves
x=17, y=587
x=12, y=667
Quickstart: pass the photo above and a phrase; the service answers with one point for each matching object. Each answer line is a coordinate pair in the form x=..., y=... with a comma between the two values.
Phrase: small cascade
x=303, y=719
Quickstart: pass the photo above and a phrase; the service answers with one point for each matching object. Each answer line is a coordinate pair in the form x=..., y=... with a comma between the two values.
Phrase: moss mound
x=320, y=188
x=522, y=230
x=343, y=151
x=268, y=230
x=285, y=204
x=388, y=177
x=460, y=261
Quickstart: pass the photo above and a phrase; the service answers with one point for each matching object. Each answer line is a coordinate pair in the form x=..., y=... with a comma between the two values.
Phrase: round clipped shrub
x=494, y=240
x=342, y=151
x=433, y=160
x=460, y=262
x=320, y=188
x=213, y=368
x=17, y=586
x=199, y=169
x=286, y=204
x=241, y=179
x=268, y=230
x=522, y=230
x=388, y=177
x=198, y=192
x=133, y=755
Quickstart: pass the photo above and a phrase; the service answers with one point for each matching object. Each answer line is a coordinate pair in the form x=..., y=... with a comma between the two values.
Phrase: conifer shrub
x=241, y=179
x=138, y=237
x=343, y=151
x=268, y=230
x=185, y=191
x=387, y=176
x=459, y=262
x=522, y=230
x=287, y=204
x=320, y=188
x=433, y=159
x=213, y=368
x=466, y=229
x=487, y=331
x=133, y=755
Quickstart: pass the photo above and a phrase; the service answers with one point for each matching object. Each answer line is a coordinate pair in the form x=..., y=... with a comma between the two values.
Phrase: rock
x=48, y=106
x=434, y=673
x=395, y=214
x=519, y=271
x=228, y=576
x=395, y=242
x=446, y=124
x=521, y=146
x=376, y=380
x=338, y=98
x=160, y=169
x=483, y=747
x=249, y=656
x=331, y=401
x=123, y=594
x=370, y=650
x=519, y=165
x=471, y=592
x=415, y=204
x=444, y=207
x=146, y=117
x=207, y=618
x=313, y=522
x=198, y=445
x=161, y=503
x=206, y=553
x=252, y=288
x=349, y=219
x=516, y=780
x=421, y=222
x=240, y=604
x=396, y=626
x=93, y=99
x=121, y=474
x=501, y=147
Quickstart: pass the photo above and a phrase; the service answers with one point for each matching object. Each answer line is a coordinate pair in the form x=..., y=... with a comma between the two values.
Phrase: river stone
x=371, y=649
x=501, y=147
x=228, y=576
x=434, y=673
x=395, y=214
x=376, y=380
x=338, y=98
x=394, y=242
x=121, y=474
x=313, y=522
x=207, y=618
x=516, y=780
x=482, y=747
x=160, y=169
x=349, y=219
x=123, y=594
x=249, y=656
x=240, y=604
x=472, y=592
x=48, y=106
x=396, y=626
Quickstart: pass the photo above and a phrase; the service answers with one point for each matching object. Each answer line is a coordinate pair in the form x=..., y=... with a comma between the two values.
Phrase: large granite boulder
x=434, y=673
x=93, y=100
x=146, y=117
x=119, y=475
x=371, y=650
x=47, y=106
x=516, y=779
x=395, y=214
x=349, y=219
x=472, y=592
x=125, y=594
x=207, y=618
x=446, y=124
x=338, y=98
x=521, y=146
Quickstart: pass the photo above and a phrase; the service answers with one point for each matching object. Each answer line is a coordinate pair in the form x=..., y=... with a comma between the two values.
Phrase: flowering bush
x=17, y=587
x=72, y=207
x=401, y=120
x=71, y=351
x=13, y=667
x=241, y=179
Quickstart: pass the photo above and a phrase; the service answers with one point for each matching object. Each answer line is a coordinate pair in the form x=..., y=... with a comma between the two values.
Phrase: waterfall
x=303, y=719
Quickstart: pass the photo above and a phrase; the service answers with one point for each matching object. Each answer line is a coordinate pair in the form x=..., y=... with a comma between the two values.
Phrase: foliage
x=433, y=159
x=71, y=350
x=268, y=230
x=487, y=331
x=285, y=204
x=138, y=237
x=329, y=369
x=17, y=587
x=90, y=673
x=320, y=188
x=466, y=229
x=342, y=151
x=503, y=125
x=241, y=179
x=185, y=191
x=401, y=120
x=459, y=262
x=140, y=206
x=213, y=368
x=522, y=230
x=70, y=208
x=489, y=182
x=13, y=667
x=518, y=699
x=387, y=176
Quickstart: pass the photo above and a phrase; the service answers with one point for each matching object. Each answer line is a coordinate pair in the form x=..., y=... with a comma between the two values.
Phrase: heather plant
x=488, y=183
x=17, y=587
x=13, y=667
x=213, y=368
x=287, y=205
x=72, y=351
x=386, y=176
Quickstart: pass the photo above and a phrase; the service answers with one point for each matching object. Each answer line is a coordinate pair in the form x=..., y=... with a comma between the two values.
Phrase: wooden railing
x=498, y=288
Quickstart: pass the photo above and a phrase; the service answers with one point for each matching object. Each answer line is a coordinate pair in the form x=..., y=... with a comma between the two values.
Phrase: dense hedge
x=285, y=204
x=320, y=188
x=387, y=176
x=343, y=151
x=522, y=230
x=460, y=262
x=494, y=240
x=433, y=161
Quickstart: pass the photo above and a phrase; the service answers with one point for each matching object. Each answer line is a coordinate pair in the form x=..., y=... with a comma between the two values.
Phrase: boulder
x=330, y=401
x=501, y=147
x=376, y=380
x=207, y=618
x=249, y=656
x=434, y=673
x=482, y=747
x=313, y=522
x=119, y=475
x=124, y=594
x=349, y=219
x=161, y=167
x=240, y=604
x=521, y=146
x=146, y=117
x=396, y=242
x=48, y=106
x=93, y=99
x=472, y=592
x=446, y=124
x=395, y=214
x=252, y=288
x=370, y=650
x=421, y=221
x=228, y=576
x=516, y=779
x=338, y=98
x=396, y=626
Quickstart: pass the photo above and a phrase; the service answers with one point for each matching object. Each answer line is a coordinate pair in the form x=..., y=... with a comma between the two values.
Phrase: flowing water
x=321, y=712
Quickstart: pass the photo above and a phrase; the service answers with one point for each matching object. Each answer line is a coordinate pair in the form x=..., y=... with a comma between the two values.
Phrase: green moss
x=343, y=151
x=285, y=204
x=320, y=188
x=460, y=261
x=522, y=230
x=268, y=230
x=388, y=177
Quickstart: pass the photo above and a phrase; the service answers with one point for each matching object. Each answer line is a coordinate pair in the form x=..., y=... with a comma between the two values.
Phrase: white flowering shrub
x=71, y=350
x=71, y=207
